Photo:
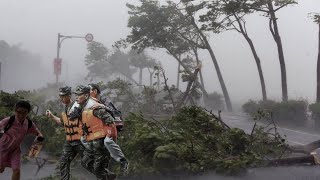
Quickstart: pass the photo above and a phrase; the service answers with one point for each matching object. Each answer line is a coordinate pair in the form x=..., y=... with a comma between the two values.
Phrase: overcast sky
x=35, y=23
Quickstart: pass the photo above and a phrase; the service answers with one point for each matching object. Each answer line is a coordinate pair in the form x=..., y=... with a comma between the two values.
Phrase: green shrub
x=315, y=110
x=215, y=101
x=293, y=112
x=315, y=113
x=250, y=107
x=267, y=105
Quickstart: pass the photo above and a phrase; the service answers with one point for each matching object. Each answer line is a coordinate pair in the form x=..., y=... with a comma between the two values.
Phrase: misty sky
x=35, y=23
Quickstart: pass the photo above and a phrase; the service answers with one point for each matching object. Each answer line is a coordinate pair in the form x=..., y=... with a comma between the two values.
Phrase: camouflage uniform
x=95, y=150
x=70, y=148
x=95, y=156
x=114, y=149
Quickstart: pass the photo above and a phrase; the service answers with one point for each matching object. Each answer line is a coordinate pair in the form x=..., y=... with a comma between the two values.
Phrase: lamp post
x=2, y=64
x=0, y=76
x=58, y=60
x=4, y=53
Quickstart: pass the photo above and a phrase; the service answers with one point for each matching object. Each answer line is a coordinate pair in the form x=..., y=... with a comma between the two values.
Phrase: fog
x=34, y=25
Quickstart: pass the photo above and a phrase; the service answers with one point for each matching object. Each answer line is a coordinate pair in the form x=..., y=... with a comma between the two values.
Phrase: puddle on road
x=274, y=173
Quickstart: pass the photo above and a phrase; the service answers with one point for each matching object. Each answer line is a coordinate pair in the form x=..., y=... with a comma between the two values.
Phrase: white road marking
x=294, y=142
x=301, y=132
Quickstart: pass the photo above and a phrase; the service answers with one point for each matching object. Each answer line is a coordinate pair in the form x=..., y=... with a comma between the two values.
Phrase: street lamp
x=4, y=49
x=2, y=64
x=0, y=75
x=58, y=60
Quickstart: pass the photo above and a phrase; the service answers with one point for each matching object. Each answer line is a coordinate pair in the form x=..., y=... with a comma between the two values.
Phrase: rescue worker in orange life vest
x=95, y=92
x=97, y=123
x=110, y=142
x=72, y=145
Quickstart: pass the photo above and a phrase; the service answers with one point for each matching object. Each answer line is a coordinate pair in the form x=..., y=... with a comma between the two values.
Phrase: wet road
x=294, y=136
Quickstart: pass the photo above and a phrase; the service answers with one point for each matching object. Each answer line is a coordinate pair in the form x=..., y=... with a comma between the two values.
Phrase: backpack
x=11, y=120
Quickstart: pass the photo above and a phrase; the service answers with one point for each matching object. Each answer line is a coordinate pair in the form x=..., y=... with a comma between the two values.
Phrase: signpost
x=0, y=75
x=89, y=37
x=57, y=62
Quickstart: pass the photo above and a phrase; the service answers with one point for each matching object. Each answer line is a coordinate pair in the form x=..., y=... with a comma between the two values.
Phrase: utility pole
x=58, y=61
x=0, y=75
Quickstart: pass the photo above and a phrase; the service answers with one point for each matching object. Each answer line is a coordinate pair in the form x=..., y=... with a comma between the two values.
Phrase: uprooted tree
x=192, y=141
x=195, y=141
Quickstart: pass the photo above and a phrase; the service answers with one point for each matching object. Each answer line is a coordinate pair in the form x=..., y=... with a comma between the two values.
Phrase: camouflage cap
x=82, y=90
x=64, y=91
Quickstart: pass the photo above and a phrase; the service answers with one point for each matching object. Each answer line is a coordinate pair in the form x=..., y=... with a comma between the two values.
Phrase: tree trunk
x=216, y=65
x=256, y=57
x=318, y=70
x=290, y=161
x=140, y=76
x=150, y=79
x=158, y=80
x=276, y=36
x=178, y=75
x=306, y=149
x=198, y=62
x=200, y=73
x=186, y=93
x=151, y=76
x=188, y=71
x=165, y=79
x=129, y=77
x=126, y=74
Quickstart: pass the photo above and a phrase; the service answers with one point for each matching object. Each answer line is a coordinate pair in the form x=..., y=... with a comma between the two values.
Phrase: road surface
x=294, y=136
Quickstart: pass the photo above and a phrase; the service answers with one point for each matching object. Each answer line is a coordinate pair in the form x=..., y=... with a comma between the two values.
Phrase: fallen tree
x=307, y=148
x=195, y=141
x=192, y=141
x=308, y=154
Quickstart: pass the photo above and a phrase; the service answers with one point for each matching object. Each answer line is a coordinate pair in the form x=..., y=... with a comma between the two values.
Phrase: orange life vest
x=96, y=128
x=73, y=128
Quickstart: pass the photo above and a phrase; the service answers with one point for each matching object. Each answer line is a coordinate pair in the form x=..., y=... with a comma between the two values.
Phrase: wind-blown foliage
x=193, y=141
x=173, y=28
x=141, y=61
x=102, y=63
x=123, y=95
x=155, y=26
